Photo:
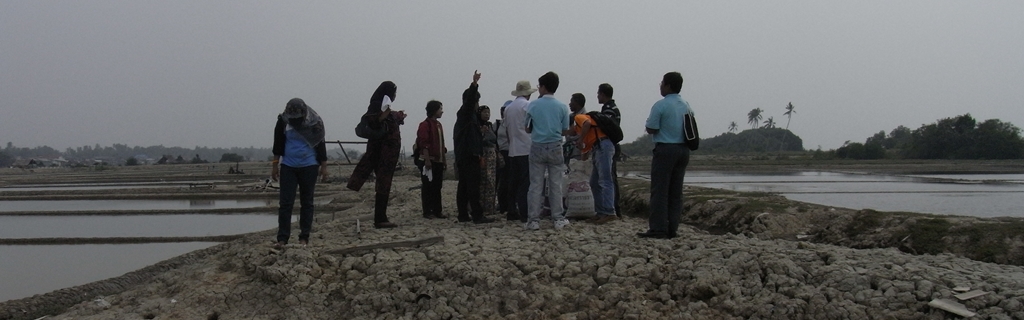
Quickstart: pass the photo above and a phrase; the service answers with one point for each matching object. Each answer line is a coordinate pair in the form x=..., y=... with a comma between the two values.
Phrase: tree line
x=121, y=153
x=960, y=137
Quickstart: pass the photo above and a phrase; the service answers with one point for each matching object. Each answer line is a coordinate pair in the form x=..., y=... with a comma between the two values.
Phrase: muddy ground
x=741, y=256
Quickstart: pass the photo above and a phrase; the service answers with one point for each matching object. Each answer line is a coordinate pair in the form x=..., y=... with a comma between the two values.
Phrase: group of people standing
x=513, y=167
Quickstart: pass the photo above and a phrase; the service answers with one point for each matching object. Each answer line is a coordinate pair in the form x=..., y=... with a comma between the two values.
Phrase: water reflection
x=30, y=270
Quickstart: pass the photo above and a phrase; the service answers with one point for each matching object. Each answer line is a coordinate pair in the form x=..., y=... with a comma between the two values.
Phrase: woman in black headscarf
x=299, y=156
x=381, y=155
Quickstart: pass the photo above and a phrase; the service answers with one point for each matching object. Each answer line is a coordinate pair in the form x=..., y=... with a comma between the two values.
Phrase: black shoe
x=512, y=216
x=483, y=220
x=672, y=235
x=653, y=235
x=428, y=216
x=440, y=216
x=464, y=219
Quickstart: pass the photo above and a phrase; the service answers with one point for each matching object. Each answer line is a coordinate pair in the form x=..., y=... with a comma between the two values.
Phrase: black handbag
x=366, y=128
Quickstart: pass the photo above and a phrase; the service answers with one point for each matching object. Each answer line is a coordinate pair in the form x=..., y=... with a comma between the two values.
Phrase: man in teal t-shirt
x=547, y=119
x=668, y=166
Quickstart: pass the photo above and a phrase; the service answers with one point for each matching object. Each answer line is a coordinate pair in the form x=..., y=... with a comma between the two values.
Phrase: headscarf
x=304, y=120
x=385, y=89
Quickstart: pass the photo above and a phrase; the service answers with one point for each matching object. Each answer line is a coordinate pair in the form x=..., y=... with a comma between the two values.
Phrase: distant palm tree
x=770, y=123
x=732, y=127
x=754, y=117
x=789, y=114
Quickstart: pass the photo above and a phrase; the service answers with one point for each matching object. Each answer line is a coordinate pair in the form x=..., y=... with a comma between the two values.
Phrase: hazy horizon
x=216, y=74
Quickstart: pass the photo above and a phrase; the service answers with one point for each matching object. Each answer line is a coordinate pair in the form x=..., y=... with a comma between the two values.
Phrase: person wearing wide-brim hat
x=523, y=89
x=518, y=150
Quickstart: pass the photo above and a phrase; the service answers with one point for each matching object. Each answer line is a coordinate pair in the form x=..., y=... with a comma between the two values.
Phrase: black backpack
x=690, y=134
x=607, y=125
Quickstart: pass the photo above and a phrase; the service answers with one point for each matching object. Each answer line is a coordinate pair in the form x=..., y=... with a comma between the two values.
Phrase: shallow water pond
x=30, y=270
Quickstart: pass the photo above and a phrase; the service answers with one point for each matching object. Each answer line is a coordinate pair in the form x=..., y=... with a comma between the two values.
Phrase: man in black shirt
x=604, y=97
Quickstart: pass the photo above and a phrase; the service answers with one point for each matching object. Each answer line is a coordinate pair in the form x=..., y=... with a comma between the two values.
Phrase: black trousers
x=303, y=179
x=467, y=198
x=431, y=191
x=519, y=185
x=668, y=167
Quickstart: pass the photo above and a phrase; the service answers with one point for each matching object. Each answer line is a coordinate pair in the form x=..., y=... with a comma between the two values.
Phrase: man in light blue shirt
x=668, y=166
x=547, y=119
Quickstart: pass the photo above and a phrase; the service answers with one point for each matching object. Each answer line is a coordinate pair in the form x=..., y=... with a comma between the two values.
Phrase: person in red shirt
x=431, y=160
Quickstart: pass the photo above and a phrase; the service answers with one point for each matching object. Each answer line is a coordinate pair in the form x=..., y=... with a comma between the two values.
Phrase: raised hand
x=476, y=76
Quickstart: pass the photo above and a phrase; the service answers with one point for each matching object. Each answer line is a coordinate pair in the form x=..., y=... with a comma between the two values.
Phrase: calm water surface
x=994, y=195
x=102, y=185
x=30, y=270
x=177, y=225
x=103, y=205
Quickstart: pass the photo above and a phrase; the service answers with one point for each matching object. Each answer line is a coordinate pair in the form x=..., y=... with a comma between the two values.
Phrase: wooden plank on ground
x=415, y=243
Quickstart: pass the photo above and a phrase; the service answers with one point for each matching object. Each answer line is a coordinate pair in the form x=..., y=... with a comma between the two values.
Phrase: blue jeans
x=546, y=158
x=668, y=167
x=602, y=179
x=304, y=179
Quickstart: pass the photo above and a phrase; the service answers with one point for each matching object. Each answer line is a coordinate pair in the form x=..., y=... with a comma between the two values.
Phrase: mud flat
x=742, y=256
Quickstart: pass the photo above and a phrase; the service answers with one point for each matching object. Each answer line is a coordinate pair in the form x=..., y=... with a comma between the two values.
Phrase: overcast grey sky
x=217, y=73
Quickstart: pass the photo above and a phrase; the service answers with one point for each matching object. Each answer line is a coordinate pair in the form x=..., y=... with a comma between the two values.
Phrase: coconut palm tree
x=770, y=123
x=754, y=117
x=732, y=127
x=789, y=114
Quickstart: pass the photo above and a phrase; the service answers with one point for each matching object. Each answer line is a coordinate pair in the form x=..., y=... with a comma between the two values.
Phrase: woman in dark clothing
x=489, y=161
x=299, y=156
x=468, y=149
x=381, y=155
x=430, y=156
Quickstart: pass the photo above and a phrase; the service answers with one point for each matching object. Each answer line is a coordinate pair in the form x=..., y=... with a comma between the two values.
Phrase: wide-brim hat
x=523, y=88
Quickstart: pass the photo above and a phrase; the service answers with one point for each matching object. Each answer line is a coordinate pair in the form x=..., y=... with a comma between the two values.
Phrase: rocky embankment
x=776, y=265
